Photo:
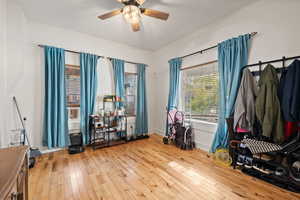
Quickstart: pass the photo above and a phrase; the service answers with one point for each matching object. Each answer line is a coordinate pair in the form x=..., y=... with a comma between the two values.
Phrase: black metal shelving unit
x=109, y=129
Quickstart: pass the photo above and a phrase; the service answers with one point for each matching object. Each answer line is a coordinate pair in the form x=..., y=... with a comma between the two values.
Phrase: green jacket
x=267, y=105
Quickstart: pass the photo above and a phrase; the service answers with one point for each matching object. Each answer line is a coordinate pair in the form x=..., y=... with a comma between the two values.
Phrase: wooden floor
x=145, y=169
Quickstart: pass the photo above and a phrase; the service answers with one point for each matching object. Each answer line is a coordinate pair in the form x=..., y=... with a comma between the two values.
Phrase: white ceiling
x=186, y=16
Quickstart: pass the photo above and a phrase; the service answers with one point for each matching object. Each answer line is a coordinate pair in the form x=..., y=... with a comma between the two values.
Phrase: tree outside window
x=200, y=92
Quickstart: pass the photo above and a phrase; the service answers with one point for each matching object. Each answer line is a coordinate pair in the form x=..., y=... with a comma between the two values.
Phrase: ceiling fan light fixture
x=132, y=14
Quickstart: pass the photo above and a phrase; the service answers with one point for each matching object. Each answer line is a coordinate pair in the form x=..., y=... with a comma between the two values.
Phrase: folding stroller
x=178, y=131
x=175, y=120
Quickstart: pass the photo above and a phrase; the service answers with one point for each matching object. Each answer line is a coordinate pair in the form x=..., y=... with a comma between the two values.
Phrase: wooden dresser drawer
x=13, y=193
x=22, y=174
x=14, y=173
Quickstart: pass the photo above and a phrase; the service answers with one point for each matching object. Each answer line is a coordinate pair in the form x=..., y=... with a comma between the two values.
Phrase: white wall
x=3, y=28
x=24, y=72
x=13, y=71
x=277, y=24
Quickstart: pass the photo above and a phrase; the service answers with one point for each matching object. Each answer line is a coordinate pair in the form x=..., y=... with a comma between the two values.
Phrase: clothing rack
x=279, y=70
x=110, y=58
x=209, y=48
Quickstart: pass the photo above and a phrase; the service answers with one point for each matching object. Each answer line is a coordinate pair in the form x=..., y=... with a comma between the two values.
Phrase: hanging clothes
x=244, y=114
x=289, y=98
x=267, y=105
x=290, y=93
x=281, y=86
x=290, y=128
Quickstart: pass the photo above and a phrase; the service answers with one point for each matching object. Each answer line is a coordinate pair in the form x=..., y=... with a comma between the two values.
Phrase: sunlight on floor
x=192, y=175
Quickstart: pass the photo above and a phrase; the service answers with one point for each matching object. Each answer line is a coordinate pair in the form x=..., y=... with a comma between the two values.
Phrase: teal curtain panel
x=119, y=77
x=88, y=91
x=55, y=111
x=174, y=78
x=141, y=126
x=232, y=57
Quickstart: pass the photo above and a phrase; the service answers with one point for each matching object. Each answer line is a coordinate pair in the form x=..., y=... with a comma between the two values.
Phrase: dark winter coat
x=290, y=100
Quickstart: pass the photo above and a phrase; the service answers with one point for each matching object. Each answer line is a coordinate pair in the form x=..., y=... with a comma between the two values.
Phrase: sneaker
x=240, y=161
x=248, y=162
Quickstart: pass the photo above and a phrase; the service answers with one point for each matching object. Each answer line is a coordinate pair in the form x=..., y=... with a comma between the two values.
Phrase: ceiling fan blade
x=155, y=13
x=123, y=1
x=110, y=14
x=140, y=1
x=135, y=27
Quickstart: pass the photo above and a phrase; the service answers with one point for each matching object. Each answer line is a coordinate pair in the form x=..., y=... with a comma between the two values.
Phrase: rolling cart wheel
x=166, y=140
x=31, y=162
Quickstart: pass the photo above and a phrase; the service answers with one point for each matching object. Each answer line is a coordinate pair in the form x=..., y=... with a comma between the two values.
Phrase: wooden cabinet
x=14, y=173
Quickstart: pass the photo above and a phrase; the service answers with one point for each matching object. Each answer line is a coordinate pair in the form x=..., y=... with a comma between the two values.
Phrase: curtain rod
x=203, y=50
x=199, y=65
x=77, y=52
x=273, y=61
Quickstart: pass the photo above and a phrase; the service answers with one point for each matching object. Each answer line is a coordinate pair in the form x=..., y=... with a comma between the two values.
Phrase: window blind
x=200, y=92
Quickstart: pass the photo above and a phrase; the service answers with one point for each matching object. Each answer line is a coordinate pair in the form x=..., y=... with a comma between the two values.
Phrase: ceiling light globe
x=132, y=14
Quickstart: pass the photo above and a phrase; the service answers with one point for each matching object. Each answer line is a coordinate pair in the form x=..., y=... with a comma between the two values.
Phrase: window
x=72, y=77
x=130, y=93
x=72, y=74
x=200, y=92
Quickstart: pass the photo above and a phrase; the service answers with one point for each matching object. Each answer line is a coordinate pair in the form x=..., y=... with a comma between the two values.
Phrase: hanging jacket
x=267, y=104
x=290, y=128
x=290, y=102
x=281, y=85
x=244, y=114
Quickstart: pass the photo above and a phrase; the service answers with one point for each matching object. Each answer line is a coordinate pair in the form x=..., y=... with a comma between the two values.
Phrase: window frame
x=182, y=97
x=135, y=95
x=77, y=67
x=70, y=107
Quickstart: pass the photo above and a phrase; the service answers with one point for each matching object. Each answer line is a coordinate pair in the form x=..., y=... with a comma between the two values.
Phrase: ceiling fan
x=132, y=12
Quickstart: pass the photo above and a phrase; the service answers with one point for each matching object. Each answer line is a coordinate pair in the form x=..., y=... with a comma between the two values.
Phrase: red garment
x=290, y=128
x=240, y=130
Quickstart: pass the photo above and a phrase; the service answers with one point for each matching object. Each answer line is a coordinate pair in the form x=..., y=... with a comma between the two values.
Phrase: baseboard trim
x=45, y=151
x=160, y=132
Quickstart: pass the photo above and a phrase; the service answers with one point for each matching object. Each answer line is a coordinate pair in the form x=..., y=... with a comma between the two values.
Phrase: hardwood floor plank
x=145, y=169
